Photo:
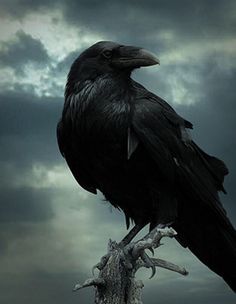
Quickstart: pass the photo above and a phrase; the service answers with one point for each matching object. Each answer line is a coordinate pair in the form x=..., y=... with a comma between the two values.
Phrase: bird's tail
x=213, y=243
x=202, y=224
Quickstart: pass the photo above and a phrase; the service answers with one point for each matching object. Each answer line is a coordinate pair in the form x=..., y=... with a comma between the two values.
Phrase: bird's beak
x=133, y=57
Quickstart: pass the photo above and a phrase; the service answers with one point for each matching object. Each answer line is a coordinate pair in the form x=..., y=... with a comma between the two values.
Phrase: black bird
x=121, y=139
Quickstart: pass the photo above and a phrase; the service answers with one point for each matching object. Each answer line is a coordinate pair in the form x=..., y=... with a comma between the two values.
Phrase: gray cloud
x=28, y=127
x=41, y=287
x=22, y=50
x=122, y=19
x=25, y=204
x=199, y=291
x=148, y=23
x=20, y=8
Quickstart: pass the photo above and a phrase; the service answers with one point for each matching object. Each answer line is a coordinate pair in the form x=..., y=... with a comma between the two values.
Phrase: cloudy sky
x=51, y=230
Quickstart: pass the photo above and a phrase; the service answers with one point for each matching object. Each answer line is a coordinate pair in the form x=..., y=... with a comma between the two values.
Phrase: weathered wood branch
x=116, y=282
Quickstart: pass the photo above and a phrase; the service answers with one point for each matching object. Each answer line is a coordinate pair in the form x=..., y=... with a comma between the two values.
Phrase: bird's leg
x=133, y=232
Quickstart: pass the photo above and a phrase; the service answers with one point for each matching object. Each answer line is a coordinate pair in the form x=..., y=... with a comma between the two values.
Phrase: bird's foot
x=130, y=258
x=150, y=242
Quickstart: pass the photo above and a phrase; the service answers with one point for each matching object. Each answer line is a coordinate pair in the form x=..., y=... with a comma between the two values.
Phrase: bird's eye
x=107, y=54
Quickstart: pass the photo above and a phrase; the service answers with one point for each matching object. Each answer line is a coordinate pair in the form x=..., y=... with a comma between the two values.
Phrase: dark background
x=51, y=230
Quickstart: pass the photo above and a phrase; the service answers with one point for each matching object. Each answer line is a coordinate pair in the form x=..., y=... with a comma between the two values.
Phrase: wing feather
x=185, y=165
x=80, y=173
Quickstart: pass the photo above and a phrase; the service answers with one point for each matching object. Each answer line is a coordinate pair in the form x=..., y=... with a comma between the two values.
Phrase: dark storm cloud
x=28, y=127
x=27, y=136
x=22, y=50
x=20, y=8
x=142, y=22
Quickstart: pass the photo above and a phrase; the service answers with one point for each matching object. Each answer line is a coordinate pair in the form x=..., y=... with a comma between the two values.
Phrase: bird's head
x=106, y=57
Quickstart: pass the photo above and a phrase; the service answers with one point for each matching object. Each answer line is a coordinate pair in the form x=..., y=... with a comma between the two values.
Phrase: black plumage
x=130, y=144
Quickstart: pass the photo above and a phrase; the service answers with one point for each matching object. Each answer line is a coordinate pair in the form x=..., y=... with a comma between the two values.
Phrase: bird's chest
x=106, y=122
x=101, y=126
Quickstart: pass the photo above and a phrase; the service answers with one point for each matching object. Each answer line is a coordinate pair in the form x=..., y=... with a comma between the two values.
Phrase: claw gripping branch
x=116, y=282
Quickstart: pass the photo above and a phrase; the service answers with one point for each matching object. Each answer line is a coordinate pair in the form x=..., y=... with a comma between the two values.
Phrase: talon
x=152, y=250
x=153, y=272
x=148, y=263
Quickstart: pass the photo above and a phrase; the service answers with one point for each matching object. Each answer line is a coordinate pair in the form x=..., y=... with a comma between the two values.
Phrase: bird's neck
x=121, y=81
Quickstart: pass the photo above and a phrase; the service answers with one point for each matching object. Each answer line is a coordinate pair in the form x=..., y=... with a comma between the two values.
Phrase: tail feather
x=202, y=223
x=229, y=255
x=213, y=243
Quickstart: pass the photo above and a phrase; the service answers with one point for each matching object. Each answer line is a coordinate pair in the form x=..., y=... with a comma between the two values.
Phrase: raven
x=121, y=139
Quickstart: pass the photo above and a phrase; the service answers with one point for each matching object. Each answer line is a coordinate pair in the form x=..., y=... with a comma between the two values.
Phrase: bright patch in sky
x=59, y=40
x=58, y=37
x=195, y=51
